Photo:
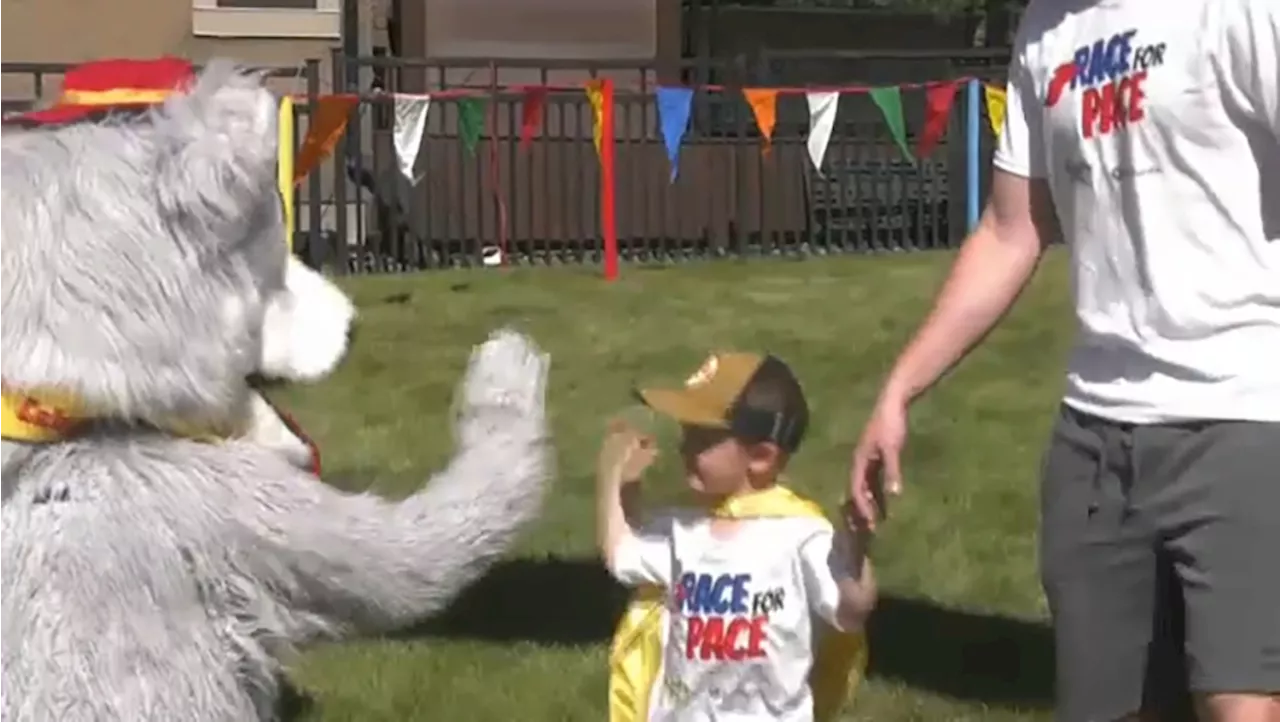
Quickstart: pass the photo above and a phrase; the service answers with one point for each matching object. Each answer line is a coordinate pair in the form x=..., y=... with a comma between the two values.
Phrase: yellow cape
x=636, y=653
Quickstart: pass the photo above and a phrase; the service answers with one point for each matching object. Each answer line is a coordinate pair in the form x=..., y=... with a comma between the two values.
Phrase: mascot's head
x=146, y=274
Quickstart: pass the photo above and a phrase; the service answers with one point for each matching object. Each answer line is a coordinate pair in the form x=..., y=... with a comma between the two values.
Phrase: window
x=268, y=4
x=267, y=18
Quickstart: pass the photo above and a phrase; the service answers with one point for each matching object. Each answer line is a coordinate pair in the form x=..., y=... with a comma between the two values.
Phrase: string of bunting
x=332, y=113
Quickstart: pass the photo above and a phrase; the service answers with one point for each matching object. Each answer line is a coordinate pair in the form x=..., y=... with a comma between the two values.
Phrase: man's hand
x=876, y=466
x=625, y=454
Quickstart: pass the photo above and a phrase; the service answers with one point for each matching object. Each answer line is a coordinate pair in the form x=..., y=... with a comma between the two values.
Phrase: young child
x=742, y=593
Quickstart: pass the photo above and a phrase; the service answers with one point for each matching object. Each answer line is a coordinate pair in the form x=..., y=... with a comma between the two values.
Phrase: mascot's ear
x=305, y=328
x=221, y=135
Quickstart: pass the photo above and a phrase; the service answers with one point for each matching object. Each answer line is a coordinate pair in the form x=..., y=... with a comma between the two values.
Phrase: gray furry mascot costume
x=164, y=545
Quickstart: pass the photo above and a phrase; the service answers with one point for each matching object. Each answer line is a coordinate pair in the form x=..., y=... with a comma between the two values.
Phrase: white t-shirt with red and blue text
x=742, y=614
x=1157, y=126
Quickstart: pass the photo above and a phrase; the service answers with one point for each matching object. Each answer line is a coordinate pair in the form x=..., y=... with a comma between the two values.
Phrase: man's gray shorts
x=1158, y=540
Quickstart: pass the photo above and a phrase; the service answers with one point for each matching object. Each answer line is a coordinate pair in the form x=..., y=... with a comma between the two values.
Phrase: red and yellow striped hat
x=116, y=83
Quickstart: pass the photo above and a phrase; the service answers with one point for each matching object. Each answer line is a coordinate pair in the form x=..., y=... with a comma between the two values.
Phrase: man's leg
x=1219, y=512
x=1167, y=693
x=1099, y=567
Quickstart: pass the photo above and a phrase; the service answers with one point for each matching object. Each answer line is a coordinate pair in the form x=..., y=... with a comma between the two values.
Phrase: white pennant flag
x=411, y=125
x=822, y=120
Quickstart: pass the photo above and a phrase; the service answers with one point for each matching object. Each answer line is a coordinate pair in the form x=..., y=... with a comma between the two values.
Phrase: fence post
x=315, y=254
x=973, y=156
x=342, y=244
x=608, y=217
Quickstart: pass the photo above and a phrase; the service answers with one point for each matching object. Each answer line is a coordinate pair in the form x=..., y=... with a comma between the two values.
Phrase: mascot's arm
x=363, y=561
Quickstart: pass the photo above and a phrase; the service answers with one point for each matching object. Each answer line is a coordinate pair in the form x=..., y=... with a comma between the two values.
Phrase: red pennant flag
x=535, y=98
x=937, y=114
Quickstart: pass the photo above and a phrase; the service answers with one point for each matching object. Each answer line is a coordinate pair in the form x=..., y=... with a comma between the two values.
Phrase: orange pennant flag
x=328, y=121
x=764, y=104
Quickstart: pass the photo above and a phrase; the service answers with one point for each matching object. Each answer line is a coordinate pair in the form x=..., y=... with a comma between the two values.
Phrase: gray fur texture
x=138, y=254
x=148, y=577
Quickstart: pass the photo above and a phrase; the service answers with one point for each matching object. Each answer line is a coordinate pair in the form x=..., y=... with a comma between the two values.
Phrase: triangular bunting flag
x=889, y=100
x=410, y=126
x=996, y=100
x=764, y=105
x=470, y=122
x=533, y=103
x=822, y=120
x=673, y=117
x=595, y=94
x=328, y=121
x=938, y=100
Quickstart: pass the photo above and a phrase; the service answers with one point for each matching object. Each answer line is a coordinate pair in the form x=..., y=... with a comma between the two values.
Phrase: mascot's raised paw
x=505, y=384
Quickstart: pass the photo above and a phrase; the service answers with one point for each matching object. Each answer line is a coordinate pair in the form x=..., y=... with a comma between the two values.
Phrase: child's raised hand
x=626, y=452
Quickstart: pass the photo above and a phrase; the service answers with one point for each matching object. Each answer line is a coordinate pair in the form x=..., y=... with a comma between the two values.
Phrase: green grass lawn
x=960, y=632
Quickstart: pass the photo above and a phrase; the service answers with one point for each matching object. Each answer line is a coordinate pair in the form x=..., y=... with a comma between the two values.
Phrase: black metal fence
x=538, y=203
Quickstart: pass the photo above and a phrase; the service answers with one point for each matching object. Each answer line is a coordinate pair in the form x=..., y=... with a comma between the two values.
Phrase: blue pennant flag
x=673, y=115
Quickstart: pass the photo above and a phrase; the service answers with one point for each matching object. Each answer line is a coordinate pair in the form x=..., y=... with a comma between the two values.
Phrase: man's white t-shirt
x=1157, y=126
x=740, y=634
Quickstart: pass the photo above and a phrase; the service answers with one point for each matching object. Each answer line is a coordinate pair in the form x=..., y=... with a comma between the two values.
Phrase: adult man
x=1151, y=130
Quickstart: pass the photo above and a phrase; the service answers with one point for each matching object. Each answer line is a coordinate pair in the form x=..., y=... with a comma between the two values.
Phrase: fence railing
x=537, y=203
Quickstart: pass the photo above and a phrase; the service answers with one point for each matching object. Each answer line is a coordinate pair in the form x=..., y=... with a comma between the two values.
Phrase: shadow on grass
x=294, y=703
x=562, y=601
x=552, y=601
x=967, y=655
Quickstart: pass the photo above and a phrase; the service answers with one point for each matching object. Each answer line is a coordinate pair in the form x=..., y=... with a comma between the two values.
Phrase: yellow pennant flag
x=996, y=100
x=595, y=93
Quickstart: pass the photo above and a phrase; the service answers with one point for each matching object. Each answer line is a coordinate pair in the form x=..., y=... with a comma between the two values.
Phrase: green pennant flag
x=470, y=121
x=890, y=102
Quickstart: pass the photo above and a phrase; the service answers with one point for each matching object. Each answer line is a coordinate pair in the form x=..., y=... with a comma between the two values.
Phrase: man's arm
x=993, y=266
x=999, y=256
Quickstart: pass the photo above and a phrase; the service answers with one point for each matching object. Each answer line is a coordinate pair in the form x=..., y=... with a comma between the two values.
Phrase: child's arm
x=839, y=578
x=617, y=511
x=633, y=558
x=855, y=578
